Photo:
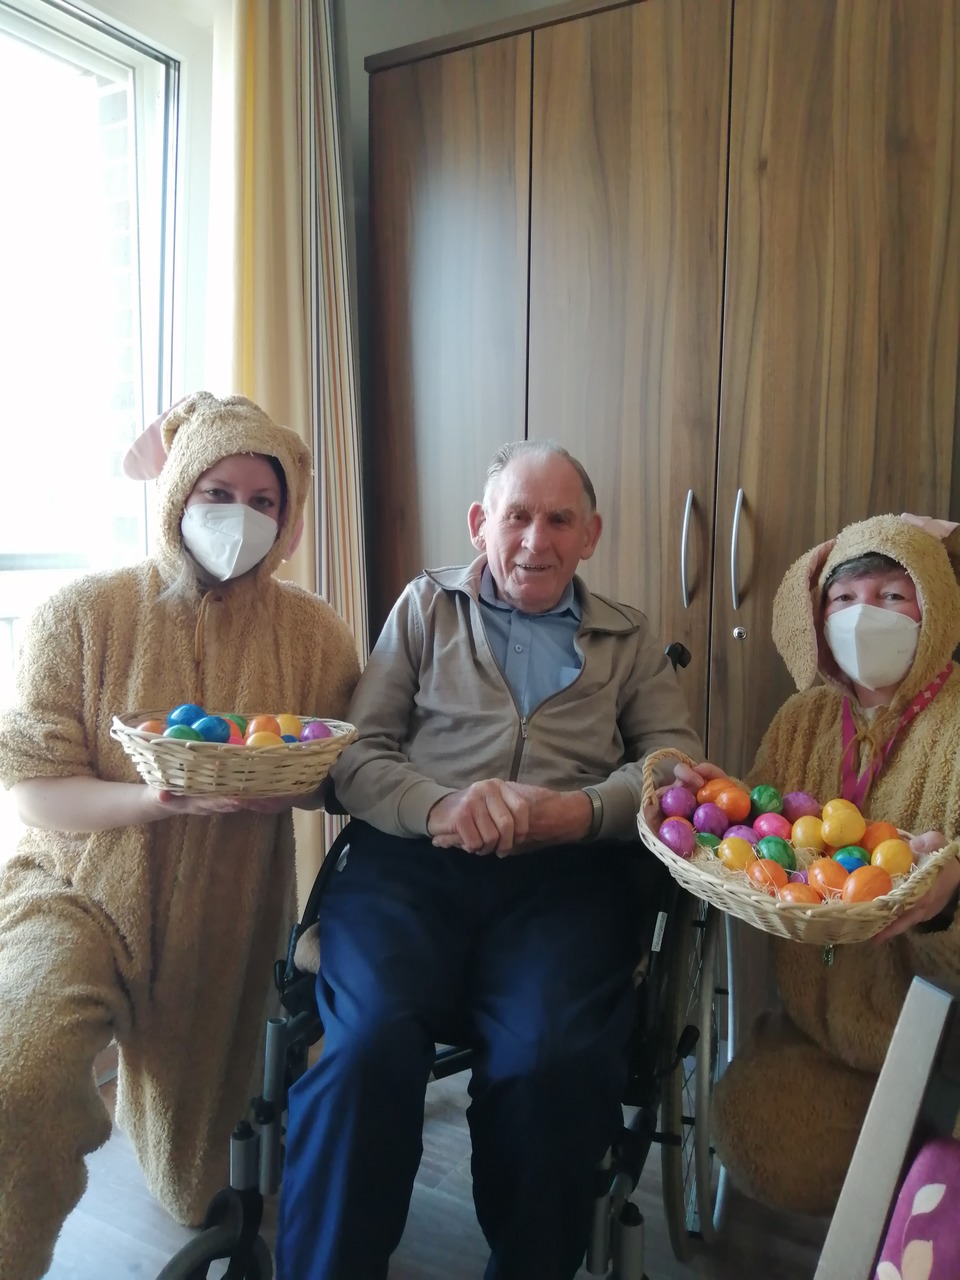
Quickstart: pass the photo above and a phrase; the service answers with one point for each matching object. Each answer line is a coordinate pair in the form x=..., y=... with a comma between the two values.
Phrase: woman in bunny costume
x=127, y=912
x=876, y=615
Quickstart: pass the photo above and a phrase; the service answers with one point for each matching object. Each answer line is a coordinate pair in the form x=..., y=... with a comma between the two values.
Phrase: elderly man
x=489, y=895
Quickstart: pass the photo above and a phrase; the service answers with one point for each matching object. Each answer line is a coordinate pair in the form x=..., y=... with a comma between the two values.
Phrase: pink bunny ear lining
x=941, y=529
x=145, y=458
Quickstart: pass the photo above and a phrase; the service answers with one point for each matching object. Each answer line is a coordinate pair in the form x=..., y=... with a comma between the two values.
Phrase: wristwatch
x=596, y=818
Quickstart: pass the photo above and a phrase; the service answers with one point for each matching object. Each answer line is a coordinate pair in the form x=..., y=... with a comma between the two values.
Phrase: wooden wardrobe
x=712, y=247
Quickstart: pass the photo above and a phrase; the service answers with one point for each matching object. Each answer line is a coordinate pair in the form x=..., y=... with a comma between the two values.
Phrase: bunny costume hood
x=162, y=935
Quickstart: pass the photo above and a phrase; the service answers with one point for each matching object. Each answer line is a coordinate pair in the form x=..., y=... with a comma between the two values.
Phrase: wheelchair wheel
x=696, y=1000
x=212, y=1245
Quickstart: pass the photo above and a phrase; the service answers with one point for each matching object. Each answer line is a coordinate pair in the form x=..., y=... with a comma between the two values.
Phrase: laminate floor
x=118, y=1232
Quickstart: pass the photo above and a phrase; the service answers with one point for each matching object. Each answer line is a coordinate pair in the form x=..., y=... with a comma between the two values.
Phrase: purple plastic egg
x=799, y=877
x=800, y=804
x=710, y=819
x=743, y=831
x=772, y=824
x=678, y=802
x=314, y=729
x=678, y=836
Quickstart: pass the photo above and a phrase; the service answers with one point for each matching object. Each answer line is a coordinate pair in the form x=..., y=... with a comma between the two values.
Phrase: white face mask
x=227, y=538
x=874, y=647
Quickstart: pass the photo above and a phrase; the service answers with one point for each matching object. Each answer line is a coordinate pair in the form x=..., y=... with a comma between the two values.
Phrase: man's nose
x=536, y=534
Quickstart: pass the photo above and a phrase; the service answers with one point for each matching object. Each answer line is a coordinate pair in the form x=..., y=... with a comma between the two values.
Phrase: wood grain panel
x=627, y=228
x=449, y=197
x=842, y=314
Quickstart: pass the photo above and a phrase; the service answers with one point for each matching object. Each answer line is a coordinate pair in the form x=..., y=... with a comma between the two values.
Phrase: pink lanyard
x=855, y=788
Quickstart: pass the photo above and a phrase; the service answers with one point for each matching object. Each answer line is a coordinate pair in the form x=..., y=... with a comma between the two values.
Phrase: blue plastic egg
x=212, y=728
x=186, y=713
x=289, y=737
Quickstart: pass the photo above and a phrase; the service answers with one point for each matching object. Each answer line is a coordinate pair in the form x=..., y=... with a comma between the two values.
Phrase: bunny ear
x=796, y=613
x=947, y=531
x=145, y=458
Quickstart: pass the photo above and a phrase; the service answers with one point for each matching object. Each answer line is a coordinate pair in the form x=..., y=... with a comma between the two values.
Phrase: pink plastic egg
x=315, y=729
x=799, y=804
x=772, y=824
x=711, y=819
x=744, y=832
x=678, y=836
x=678, y=802
x=798, y=877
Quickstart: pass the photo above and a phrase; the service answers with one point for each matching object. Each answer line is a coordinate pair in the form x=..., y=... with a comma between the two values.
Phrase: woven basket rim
x=125, y=725
x=730, y=891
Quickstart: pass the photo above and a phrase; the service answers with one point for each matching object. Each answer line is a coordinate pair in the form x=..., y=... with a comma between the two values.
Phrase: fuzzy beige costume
x=789, y=1108
x=163, y=935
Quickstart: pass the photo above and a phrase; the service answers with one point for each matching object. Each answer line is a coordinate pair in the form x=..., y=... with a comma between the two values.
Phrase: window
x=92, y=226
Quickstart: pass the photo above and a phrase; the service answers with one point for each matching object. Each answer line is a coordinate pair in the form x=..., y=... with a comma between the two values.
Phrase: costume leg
x=391, y=960
x=786, y=1116
x=553, y=1004
x=60, y=1002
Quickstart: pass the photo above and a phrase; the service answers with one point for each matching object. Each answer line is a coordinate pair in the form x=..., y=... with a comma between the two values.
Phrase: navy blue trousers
x=528, y=959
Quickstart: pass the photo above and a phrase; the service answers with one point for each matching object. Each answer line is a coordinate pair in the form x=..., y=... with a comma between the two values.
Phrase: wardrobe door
x=449, y=207
x=626, y=263
x=839, y=386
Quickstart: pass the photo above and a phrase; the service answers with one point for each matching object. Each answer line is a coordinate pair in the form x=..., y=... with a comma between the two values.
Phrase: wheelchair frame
x=681, y=1041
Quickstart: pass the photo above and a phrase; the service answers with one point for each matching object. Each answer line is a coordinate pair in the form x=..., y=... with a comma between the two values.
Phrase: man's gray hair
x=538, y=449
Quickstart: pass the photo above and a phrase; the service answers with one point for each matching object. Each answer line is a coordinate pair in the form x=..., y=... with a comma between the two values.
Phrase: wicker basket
x=213, y=768
x=832, y=921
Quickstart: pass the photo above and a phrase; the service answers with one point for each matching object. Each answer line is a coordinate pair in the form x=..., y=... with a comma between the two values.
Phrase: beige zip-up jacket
x=436, y=714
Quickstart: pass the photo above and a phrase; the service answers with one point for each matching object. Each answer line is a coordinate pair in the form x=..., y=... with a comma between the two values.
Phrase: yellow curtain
x=282, y=327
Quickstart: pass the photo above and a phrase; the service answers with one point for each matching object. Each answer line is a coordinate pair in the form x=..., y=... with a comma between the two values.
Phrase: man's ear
x=295, y=540
x=592, y=535
x=476, y=519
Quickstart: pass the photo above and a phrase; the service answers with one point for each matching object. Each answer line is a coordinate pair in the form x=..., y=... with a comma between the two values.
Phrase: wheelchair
x=681, y=1041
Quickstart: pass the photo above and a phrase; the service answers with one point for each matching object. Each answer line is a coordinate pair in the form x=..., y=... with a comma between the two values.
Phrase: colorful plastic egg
x=151, y=726
x=807, y=833
x=766, y=799
x=767, y=875
x=827, y=876
x=184, y=732
x=837, y=806
x=866, y=883
x=263, y=724
x=710, y=818
x=264, y=738
x=708, y=841
x=213, y=728
x=236, y=738
x=777, y=850
x=736, y=854
x=876, y=833
x=315, y=729
x=290, y=725
x=800, y=804
x=710, y=788
x=772, y=824
x=743, y=831
x=799, y=893
x=799, y=876
x=186, y=713
x=734, y=802
x=239, y=721
x=852, y=857
x=895, y=856
x=289, y=737
x=678, y=836
x=842, y=827
x=678, y=802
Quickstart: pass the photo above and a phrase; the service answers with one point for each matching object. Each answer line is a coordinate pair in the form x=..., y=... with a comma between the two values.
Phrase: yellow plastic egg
x=292, y=725
x=736, y=853
x=895, y=856
x=836, y=806
x=843, y=826
x=264, y=739
x=807, y=833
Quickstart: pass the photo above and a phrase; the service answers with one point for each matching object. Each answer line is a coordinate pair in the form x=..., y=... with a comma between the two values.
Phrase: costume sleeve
x=43, y=734
x=653, y=714
x=373, y=779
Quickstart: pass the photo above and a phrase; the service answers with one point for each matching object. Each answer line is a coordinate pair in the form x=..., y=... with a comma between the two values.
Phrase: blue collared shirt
x=536, y=651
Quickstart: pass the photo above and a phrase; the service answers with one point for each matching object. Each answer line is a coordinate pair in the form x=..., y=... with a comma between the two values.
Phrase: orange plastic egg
x=263, y=724
x=895, y=856
x=807, y=833
x=734, y=802
x=709, y=789
x=766, y=874
x=842, y=827
x=151, y=726
x=827, y=876
x=801, y=893
x=876, y=833
x=736, y=853
x=263, y=738
x=865, y=884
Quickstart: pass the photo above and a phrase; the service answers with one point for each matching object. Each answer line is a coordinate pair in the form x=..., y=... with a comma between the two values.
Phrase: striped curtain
x=282, y=325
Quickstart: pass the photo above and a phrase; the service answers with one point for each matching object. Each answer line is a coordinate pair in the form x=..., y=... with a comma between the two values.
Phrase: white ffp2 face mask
x=227, y=538
x=874, y=647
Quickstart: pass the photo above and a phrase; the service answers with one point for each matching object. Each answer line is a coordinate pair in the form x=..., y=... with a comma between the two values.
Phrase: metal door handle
x=684, y=540
x=734, y=540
